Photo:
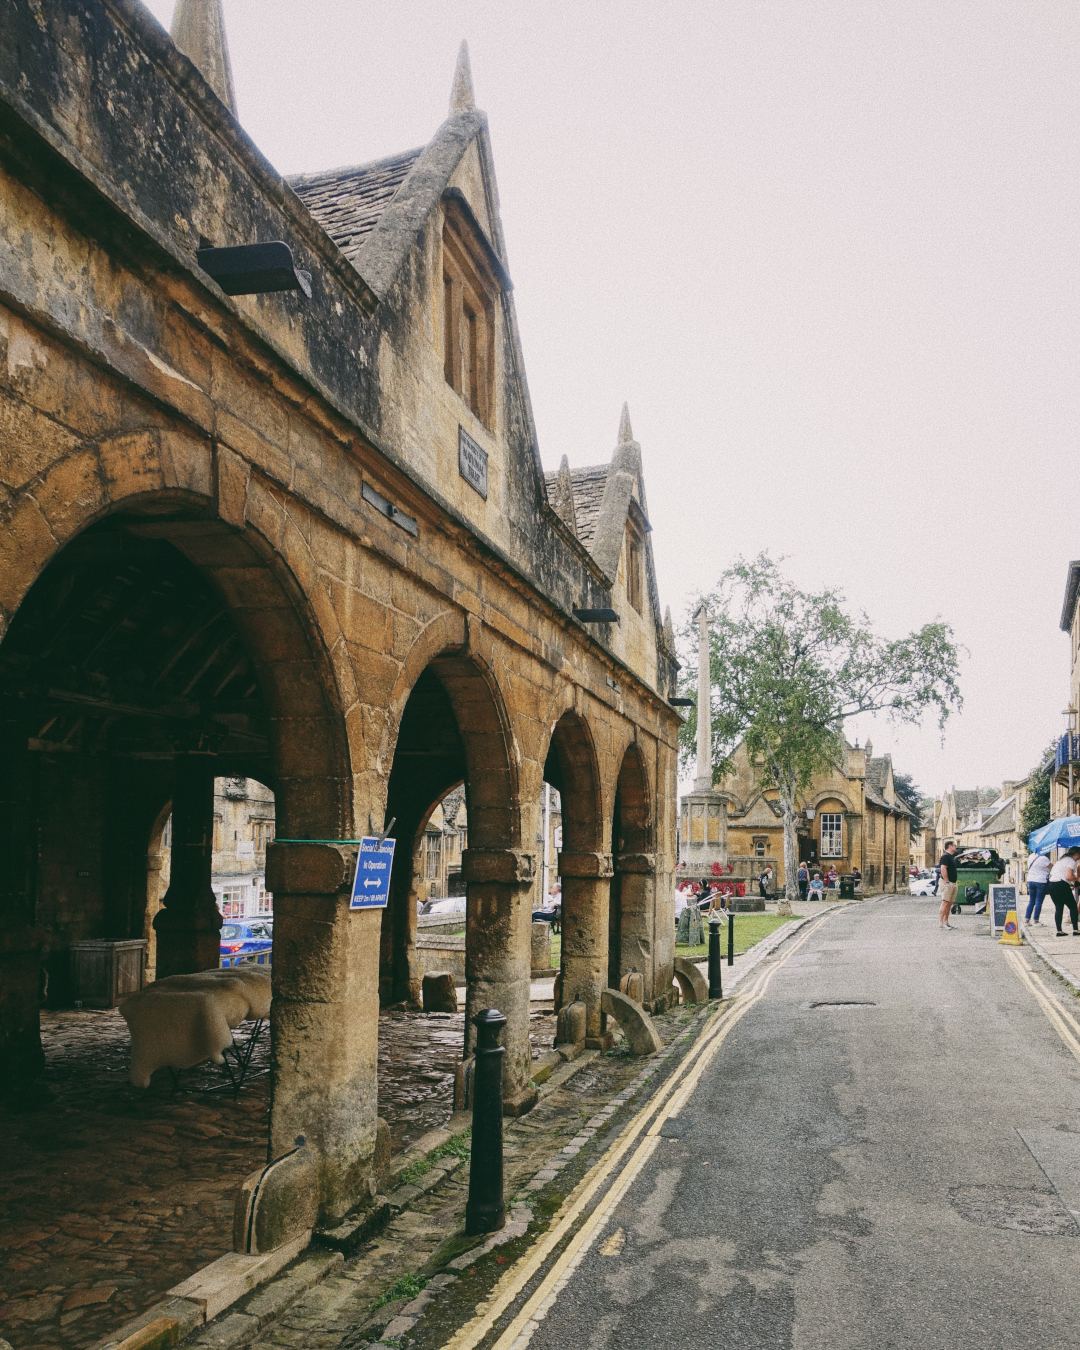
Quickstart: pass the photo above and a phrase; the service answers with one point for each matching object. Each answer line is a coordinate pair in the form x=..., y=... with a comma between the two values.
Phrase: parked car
x=451, y=904
x=245, y=939
x=924, y=884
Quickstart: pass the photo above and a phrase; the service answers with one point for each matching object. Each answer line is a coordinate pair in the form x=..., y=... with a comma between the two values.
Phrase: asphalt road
x=855, y=1174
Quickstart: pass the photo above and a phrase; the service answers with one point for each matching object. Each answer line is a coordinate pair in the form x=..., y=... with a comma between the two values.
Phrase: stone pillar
x=703, y=781
x=324, y=1019
x=636, y=875
x=188, y=927
x=21, y=1057
x=400, y=975
x=498, y=959
x=540, y=955
x=586, y=895
x=157, y=881
x=123, y=850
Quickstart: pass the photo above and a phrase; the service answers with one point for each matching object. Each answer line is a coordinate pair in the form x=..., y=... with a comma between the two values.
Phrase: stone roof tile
x=969, y=800
x=877, y=772
x=588, y=485
x=1003, y=821
x=348, y=202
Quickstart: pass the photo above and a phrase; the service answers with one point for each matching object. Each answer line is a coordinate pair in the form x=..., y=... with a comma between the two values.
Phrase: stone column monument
x=703, y=820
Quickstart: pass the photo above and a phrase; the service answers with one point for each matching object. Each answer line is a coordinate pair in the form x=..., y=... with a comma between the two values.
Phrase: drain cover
x=844, y=1003
x=1014, y=1208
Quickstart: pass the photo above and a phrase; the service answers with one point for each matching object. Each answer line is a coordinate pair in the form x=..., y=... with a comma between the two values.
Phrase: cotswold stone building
x=849, y=817
x=306, y=541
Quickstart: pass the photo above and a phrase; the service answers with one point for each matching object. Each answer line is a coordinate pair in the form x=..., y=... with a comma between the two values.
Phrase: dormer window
x=469, y=291
x=633, y=572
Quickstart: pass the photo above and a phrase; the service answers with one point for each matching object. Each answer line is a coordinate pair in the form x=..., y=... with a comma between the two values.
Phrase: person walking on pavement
x=804, y=880
x=1038, y=877
x=1062, y=881
x=765, y=882
x=947, y=883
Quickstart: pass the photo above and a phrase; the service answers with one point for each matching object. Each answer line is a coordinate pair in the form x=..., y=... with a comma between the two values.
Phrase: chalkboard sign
x=1002, y=899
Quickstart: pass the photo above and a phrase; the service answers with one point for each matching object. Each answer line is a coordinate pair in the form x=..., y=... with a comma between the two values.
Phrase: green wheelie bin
x=983, y=877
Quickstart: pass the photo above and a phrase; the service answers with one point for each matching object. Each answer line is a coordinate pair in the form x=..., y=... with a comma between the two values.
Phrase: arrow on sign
x=371, y=881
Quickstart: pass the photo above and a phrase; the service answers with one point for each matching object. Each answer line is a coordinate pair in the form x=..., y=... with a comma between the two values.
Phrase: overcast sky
x=827, y=251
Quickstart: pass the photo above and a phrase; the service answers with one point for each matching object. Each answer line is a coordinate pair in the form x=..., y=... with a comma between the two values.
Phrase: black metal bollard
x=731, y=940
x=716, y=985
x=485, y=1211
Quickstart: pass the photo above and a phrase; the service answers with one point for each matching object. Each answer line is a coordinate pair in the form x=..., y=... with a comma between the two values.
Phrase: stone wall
x=219, y=450
x=442, y=953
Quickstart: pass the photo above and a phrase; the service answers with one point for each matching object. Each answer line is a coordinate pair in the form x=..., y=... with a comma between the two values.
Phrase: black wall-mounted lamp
x=596, y=615
x=254, y=269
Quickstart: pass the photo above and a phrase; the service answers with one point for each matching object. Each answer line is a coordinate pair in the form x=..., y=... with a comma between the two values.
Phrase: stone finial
x=461, y=95
x=562, y=497
x=198, y=30
x=669, y=631
x=626, y=436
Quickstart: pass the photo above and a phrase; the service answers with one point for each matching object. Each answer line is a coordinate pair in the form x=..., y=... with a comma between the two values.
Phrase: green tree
x=789, y=668
x=1036, y=812
x=909, y=794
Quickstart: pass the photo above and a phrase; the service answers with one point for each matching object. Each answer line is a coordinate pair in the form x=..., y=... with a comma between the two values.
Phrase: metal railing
x=1068, y=751
x=247, y=959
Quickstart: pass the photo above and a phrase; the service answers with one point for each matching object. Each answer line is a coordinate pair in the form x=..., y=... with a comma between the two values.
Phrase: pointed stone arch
x=452, y=726
x=572, y=767
x=634, y=810
x=268, y=601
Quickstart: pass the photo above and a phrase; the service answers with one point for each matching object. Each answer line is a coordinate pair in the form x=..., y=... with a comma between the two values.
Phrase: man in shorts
x=947, y=883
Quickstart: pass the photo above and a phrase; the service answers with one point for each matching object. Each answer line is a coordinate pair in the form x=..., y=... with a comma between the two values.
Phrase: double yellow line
x=666, y=1104
x=1066, y=1026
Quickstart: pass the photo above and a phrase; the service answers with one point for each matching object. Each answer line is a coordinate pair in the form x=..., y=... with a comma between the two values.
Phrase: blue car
x=247, y=941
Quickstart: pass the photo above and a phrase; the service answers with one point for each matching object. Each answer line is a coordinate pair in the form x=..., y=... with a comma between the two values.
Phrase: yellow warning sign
x=1010, y=935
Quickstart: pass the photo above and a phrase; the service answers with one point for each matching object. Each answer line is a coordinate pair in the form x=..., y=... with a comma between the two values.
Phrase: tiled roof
x=876, y=799
x=451, y=802
x=877, y=773
x=1004, y=821
x=588, y=487
x=347, y=203
x=969, y=800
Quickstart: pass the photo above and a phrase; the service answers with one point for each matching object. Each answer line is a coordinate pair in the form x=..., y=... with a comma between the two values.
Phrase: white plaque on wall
x=472, y=462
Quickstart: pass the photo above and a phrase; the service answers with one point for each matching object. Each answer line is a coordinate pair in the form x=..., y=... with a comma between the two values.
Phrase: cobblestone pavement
x=418, y=1053
x=422, y=1254
x=110, y=1195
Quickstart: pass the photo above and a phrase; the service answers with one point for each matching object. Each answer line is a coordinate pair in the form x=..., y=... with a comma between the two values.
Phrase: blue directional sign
x=371, y=885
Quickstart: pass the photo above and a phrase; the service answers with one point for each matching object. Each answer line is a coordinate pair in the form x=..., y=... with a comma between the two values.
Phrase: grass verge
x=749, y=929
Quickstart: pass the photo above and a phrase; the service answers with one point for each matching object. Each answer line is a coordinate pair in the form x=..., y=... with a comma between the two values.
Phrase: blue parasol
x=1061, y=833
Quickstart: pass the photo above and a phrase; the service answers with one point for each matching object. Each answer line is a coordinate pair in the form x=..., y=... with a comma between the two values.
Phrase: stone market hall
x=281, y=515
